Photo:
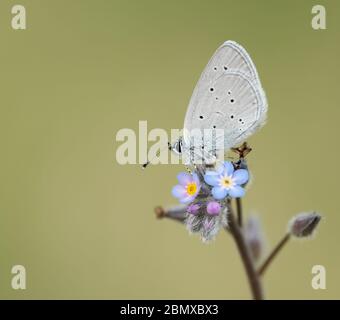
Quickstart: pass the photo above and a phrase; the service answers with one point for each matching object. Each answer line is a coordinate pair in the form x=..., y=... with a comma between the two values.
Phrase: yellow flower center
x=226, y=182
x=191, y=188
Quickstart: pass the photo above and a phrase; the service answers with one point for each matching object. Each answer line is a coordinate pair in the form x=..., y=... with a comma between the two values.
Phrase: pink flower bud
x=193, y=208
x=213, y=208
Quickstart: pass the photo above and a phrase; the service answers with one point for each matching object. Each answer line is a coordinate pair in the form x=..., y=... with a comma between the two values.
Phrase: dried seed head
x=242, y=150
x=159, y=211
x=177, y=213
x=304, y=224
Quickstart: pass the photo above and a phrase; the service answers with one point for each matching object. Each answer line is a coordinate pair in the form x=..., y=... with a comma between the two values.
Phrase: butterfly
x=228, y=105
x=228, y=102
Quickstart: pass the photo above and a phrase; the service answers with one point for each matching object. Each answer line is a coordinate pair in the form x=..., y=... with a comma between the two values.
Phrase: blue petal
x=179, y=191
x=228, y=168
x=219, y=193
x=220, y=169
x=196, y=179
x=187, y=199
x=236, y=192
x=184, y=178
x=212, y=178
x=240, y=176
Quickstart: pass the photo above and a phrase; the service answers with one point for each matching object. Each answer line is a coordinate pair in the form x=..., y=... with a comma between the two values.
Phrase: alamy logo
x=19, y=18
x=201, y=145
x=19, y=278
x=319, y=278
x=319, y=18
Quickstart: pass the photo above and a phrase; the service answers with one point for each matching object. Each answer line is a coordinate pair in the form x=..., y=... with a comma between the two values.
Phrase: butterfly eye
x=211, y=89
x=232, y=100
x=225, y=68
x=215, y=68
x=232, y=116
x=177, y=147
x=201, y=117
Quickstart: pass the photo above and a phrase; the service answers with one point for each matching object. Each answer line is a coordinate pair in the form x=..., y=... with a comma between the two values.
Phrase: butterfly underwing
x=228, y=102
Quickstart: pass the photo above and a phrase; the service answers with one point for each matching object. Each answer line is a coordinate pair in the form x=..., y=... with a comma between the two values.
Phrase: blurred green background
x=82, y=225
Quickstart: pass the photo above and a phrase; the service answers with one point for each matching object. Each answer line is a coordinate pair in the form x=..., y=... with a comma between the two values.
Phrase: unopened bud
x=304, y=224
x=254, y=238
x=213, y=208
x=193, y=208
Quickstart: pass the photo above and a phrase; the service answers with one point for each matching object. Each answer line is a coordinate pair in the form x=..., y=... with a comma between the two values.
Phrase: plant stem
x=239, y=211
x=253, y=277
x=273, y=254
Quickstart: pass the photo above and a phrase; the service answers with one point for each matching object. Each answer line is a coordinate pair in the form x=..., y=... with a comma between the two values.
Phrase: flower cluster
x=205, y=194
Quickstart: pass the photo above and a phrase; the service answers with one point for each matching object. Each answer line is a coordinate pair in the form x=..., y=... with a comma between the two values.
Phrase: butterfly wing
x=230, y=56
x=228, y=97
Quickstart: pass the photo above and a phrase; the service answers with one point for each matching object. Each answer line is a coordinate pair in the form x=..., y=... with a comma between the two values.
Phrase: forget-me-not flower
x=188, y=187
x=226, y=181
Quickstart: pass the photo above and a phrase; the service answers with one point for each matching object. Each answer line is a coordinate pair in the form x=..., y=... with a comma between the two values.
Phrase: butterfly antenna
x=144, y=165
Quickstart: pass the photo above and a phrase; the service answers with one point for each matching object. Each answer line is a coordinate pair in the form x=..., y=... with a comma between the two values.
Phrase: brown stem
x=253, y=277
x=273, y=254
x=239, y=211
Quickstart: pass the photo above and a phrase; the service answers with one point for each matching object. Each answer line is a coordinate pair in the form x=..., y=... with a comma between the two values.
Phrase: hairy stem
x=273, y=254
x=253, y=276
x=239, y=211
